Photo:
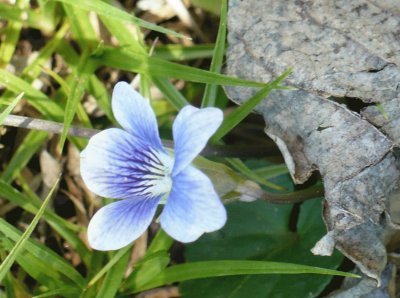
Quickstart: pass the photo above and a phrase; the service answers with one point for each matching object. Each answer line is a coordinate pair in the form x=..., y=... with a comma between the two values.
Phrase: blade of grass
x=142, y=63
x=6, y=265
x=37, y=99
x=246, y=108
x=180, y=53
x=45, y=257
x=206, y=269
x=173, y=96
x=76, y=92
x=242, y=168
x=117, y=256
x=210, y=92
x=104, y=9
x=11, y=107
x=11, y=37
x=31, y=143
x=115, y=275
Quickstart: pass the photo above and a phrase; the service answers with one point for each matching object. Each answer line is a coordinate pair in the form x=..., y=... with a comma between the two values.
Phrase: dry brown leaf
x=336, y=48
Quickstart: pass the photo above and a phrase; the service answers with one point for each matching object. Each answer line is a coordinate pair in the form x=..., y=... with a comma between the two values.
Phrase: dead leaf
x=342, y=49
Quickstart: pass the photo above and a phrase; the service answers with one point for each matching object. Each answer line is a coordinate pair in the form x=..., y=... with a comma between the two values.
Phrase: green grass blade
x=11, y=107
x=45, y=257
x=117, y=256
x=246, y=108
x=181, y=53
x=24, y=153
x=115, y=275
x=142, y=63
x=206, y=269
x=76, y=92
x=81, y=27
x=242, y=168
x=173, y=96
x=210, y=93
x=37, y=99
x=7, y=263
x=104, y=9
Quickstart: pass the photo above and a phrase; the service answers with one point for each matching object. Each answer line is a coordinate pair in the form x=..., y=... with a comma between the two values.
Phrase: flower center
x=158, y=177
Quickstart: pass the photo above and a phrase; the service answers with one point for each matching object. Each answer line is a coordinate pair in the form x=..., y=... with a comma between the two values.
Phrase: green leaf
x=39, y=256
x=6, y=264
x=117, y=256
x=76, y=92
x=262, y=231
x=37, y=99
x=173, y=96
x=10, y=107
x=32, y=142
x=210, y=93
x=104, y=9
x=242, y=168
x=115, y=273
x=246, y=108
x=180, y=53
x=142, y=63
x=197, y=270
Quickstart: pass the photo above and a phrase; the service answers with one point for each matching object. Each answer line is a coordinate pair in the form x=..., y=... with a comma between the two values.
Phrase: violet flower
x=132, y=165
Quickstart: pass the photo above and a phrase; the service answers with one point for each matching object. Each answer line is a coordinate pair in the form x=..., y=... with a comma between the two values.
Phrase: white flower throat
x=157, y=177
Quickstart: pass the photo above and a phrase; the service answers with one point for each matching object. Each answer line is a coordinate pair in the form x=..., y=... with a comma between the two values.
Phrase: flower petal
x=192, y=129
x=116, y=164
x=119, y=223
x=134, y=113
x=193, y=207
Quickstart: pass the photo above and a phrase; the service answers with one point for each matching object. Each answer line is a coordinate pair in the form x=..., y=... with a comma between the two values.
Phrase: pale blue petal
x=192, y=129
x=193, y=207
x=135, y=115
x=119, y=223
x=116, y=164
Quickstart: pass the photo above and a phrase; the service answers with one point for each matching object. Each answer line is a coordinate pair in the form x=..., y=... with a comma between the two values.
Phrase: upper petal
x=119, y=223
x=192, y=129
x=116, y=164
x=193, y=207
x=134, y=114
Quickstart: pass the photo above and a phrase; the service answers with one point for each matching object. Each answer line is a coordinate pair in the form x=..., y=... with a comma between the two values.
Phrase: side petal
x=119, y=223
x=134, y=113
x=115, y=164
x=193, y=207
x=192, y=129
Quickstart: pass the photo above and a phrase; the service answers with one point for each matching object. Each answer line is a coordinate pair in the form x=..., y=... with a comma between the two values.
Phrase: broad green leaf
x=210, y=93
x=104, y=9
x=7, y=111
x=20, y=245
x=142, y=63
x=246, y=108
x=262, y=231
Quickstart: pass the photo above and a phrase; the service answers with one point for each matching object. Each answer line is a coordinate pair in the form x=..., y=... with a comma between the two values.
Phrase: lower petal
x=119, y=223
x=193, y=207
